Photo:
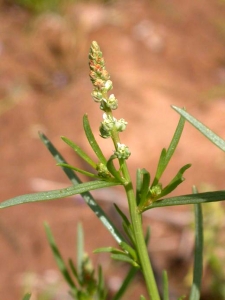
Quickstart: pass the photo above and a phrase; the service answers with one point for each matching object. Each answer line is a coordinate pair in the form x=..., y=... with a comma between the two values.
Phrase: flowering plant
x=147, y=194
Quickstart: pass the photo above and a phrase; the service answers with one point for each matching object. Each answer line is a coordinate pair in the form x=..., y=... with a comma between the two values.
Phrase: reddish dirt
x=158, y=53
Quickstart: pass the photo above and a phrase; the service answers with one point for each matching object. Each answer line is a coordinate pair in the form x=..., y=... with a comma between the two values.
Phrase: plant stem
x=136, y=221
x=139, y=238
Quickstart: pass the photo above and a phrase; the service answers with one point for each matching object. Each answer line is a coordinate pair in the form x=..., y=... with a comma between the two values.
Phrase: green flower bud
x=108, y=85
x=97, y=96
x=112, y=102
x=156, y=190
x=106, y=126
x=122, y=151
x=121, y=125
x=102, y=171
x=104, y=132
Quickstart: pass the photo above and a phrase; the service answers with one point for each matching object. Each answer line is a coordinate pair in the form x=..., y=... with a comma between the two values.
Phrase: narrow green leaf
x=167, y=155
x=125, y=283
x=125, y=258
x=129, y=250
x=78, y=170
x=113, y=171
x=178, y=179
x=92, y=141
x=58, y=258
x=188, y=199
x=142, y=297
x=79, y=151
x=57, y=194
x=27, y=296
x=145, y=186
x=165, y=286
x=213, y=137
x=80, y=250
x=160, y=168
x=138, y=185
x=198, y=254
x=108, y=250
x=102, y=292
x=175, y=140
x=126, y=225
x=88, y=198
x=147, y=236
x=73, y=270
x=122, y=215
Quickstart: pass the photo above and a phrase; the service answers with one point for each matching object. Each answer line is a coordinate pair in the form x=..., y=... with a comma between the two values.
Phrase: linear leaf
x=112, y=169
x=145, y=186
x=57, y=194
x=92, y=141
x=127, y=248
x=79, y=151
x=78, y=170
x=58, y=258
x=213, y=137
x=165, y=286
x=138, y=185
x=166, y=155
x=198, y=254
x=80, y=250
x=178, y=179
x=126, y=225
x=125, y=258
x=88, y=198
x=188, y=199
x=108, y=250
x=160, y=167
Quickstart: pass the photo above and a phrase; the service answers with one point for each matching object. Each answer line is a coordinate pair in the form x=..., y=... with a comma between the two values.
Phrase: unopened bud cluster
x=122, y=151
x=109, y=124
x=100, y=79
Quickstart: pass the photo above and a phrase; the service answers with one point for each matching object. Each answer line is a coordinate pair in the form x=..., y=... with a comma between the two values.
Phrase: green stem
x=137, y=225
x=140, y=240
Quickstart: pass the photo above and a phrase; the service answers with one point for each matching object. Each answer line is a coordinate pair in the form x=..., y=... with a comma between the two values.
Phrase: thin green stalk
x=140, y=241
x=137, y=227
x=139, y=238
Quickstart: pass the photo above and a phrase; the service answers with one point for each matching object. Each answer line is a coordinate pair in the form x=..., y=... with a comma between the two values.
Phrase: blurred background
x=159, y=53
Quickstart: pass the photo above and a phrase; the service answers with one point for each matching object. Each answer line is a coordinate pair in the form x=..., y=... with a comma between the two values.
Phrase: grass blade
x=88, y=198
x=214, y=138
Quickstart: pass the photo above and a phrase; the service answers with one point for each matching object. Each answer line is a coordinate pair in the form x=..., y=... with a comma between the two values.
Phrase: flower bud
x=156, y=190
x=112, y=102
x=97, y=96
x=122, y=151
x=103, y=171
x=121, y=125
x=108, y=85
